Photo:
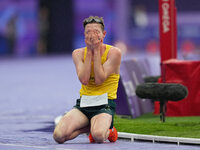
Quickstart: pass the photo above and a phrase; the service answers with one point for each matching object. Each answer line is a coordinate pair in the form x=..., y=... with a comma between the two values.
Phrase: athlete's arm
x=83, y=68
x=111, y=65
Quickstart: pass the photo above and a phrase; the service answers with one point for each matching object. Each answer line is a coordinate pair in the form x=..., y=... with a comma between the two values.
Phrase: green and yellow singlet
x=109, y=86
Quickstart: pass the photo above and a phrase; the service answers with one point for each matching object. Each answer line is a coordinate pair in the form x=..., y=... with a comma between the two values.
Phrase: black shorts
x=93, y=111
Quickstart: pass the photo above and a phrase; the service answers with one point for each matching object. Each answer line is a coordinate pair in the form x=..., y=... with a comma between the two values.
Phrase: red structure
x=186, y=73
x=168, y=30
x=176, y=71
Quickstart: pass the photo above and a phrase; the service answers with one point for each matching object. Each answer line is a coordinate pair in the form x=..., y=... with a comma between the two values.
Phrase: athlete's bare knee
x=60, y=137
x=98, y=136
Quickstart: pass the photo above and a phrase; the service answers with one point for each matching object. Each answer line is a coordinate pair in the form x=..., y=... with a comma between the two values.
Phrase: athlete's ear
x=104, y=33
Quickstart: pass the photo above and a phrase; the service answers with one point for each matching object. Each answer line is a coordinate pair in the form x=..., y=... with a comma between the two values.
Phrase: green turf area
x=150, y=124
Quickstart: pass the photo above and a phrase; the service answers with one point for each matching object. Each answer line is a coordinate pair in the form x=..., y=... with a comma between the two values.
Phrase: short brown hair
x=94, y=19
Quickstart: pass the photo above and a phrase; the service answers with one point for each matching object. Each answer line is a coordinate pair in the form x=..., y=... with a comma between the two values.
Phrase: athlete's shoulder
x=115, y=50
x=78, y=51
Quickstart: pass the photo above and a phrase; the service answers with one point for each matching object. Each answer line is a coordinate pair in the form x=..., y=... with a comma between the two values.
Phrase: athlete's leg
x=71, y=125
x=100, y=125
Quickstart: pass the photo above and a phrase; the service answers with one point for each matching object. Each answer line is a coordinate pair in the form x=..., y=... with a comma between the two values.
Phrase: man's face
x=93, y=30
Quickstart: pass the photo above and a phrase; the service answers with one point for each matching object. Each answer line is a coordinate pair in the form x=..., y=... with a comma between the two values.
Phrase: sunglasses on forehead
x=93, y=20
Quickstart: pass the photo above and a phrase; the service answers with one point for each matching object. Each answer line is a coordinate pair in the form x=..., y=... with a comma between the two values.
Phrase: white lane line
x=154, y=138
x=31, y=146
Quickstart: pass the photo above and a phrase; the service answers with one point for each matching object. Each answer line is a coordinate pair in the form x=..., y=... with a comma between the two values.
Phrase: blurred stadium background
x=43, y=27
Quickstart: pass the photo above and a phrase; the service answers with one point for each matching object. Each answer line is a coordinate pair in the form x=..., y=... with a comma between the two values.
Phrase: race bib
x=91, y=101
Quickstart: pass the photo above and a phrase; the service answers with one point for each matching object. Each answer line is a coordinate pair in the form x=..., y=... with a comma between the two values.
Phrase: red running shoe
x=91, y=138
x=113, y=135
